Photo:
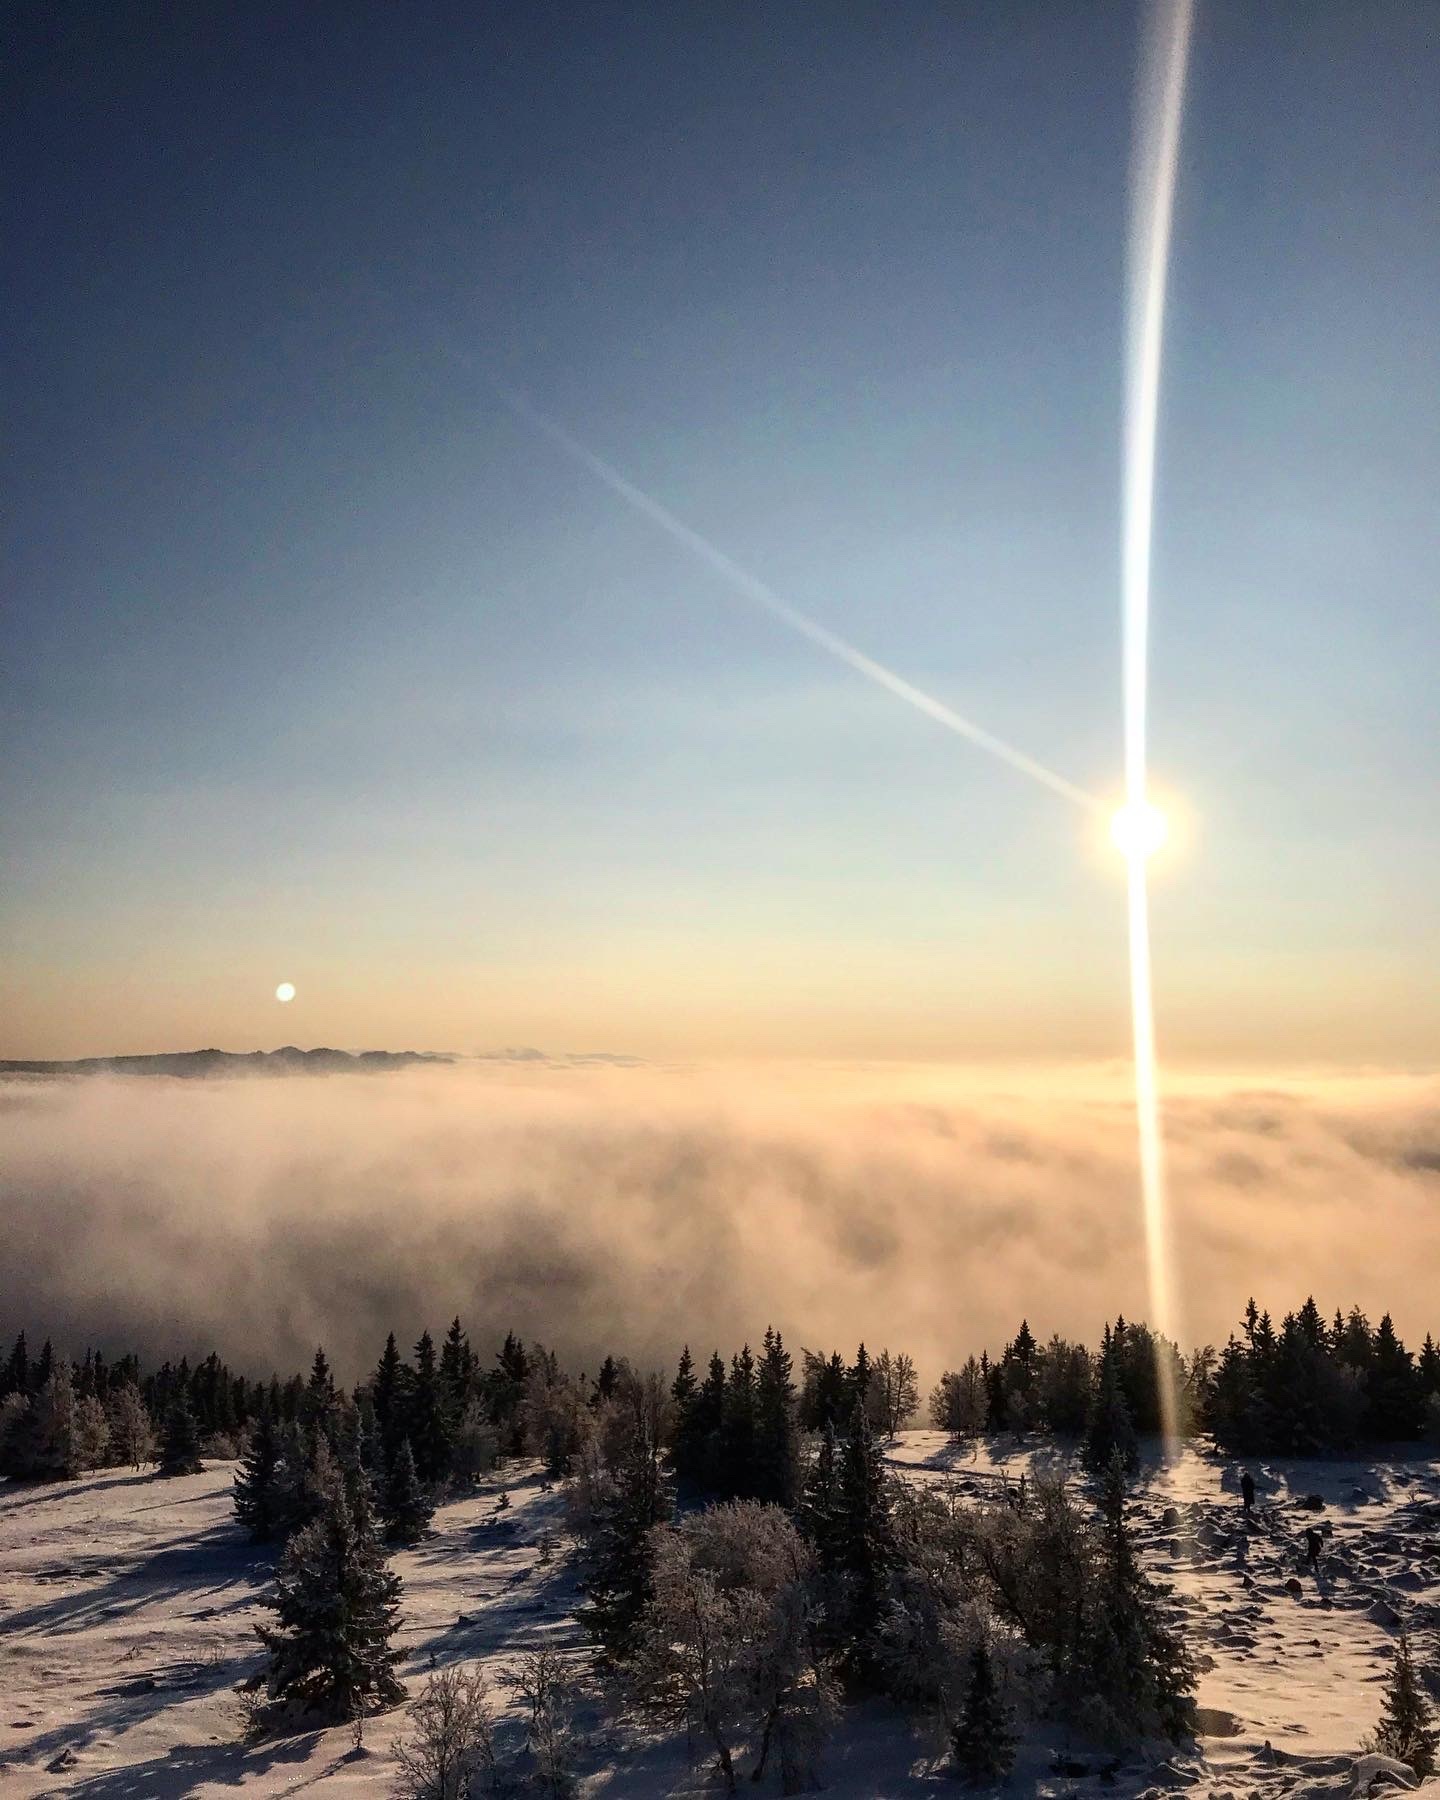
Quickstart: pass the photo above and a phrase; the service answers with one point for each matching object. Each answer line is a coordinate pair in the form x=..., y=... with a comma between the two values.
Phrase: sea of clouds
x=632, y=1209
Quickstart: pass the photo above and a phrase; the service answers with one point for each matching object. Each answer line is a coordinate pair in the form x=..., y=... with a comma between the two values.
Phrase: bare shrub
x=450, y=1752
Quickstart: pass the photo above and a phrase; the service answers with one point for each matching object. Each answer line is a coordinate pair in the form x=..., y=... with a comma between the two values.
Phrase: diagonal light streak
x=760, y=594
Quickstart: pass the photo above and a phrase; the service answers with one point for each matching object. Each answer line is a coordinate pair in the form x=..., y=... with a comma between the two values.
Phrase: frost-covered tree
x=821, y=1512
x=959, y=1403
x=895, y=1391
x=545, y=1689
x=132, y=1436
x=627, y=1493
x=180, y=1441
x=43, y=1438
x=336, y=1606
x=553, y=1411
x=725, y=1638
x=1109, y=1431
x=450, y=1749
x=405, y=1506
x=475, y=1445
x=1136, y=1674
x=1407, y=1720
x=866, y=1534
x=257, y=1496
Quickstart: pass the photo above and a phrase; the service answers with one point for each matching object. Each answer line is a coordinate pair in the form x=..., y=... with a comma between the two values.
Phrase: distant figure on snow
x=1313, y=1541
x=1247, y=1491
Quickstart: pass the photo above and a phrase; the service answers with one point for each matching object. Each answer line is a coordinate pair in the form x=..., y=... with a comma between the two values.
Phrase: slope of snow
x=127, y=1605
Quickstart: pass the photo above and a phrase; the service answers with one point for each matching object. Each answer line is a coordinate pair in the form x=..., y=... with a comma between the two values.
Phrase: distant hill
x=194, y=1064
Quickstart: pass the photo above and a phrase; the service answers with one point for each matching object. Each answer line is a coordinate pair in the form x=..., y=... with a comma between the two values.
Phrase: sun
x=1138, y=829
x=285, y=993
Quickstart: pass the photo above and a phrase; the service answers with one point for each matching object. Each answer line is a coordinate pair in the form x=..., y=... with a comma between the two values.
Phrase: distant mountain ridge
x=194, y=1064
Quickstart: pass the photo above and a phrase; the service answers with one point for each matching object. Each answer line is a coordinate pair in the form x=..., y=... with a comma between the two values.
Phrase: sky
x=322, y=665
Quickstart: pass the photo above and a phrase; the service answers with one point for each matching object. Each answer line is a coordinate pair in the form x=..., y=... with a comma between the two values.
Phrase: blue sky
x=321, y=665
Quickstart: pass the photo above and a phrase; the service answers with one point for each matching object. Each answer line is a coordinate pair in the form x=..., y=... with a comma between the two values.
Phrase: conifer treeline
x=1305, y=1387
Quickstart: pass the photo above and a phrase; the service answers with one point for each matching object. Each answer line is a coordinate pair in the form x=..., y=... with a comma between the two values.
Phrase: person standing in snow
x=1247, y=1491
x=1313, y=1541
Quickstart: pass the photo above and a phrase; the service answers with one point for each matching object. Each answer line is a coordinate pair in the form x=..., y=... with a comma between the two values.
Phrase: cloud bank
x=630, y=1209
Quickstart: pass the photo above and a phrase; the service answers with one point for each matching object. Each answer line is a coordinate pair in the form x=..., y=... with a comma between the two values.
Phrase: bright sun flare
x=285, y=992
x=1138, y=830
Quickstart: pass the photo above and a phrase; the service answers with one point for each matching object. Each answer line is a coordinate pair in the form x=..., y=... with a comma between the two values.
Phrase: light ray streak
x=760, y=594
x=1156, y=152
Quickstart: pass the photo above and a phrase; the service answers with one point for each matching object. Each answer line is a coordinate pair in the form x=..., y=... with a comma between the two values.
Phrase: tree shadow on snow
x=182, y=1770
x=192, y=1568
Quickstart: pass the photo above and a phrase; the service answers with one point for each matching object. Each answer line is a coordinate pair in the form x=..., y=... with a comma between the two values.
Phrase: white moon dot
x=285, y=993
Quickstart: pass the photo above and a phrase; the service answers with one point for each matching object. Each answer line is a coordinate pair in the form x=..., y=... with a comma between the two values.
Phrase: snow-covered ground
x=127, y=1605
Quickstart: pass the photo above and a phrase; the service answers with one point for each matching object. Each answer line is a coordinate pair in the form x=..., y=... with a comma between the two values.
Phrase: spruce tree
x=638, y=1496
x=1396, y=1406
x=687, y=1447
x=457, y=1373
x=180, y=1442
x=821, y=1512
x=982, y=1739
x=427, y=1426
x=702, y=1434
x=387, y=1389
x=1428, y=1367
x=1136, y=1674
x=857, y=1381
x=336, y=1606
x=1109, y=1432
x=867, y=1539
x=827, y=1384
x=16, y=1378
x=735, y=1475
x=1407, y=1721
x=777, y=1440
x=321, y=1398
x=405, y=1507
x=256, y=1495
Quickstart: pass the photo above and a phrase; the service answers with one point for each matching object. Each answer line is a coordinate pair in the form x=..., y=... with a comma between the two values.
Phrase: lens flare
x=1160, y=104
x=1139, y=831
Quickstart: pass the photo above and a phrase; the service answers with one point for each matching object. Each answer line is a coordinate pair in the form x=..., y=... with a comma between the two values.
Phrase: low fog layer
x=632, y=1209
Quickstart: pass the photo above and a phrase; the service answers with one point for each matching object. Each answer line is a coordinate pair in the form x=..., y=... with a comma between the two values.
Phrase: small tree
x=725, y=1638
x=865, y=1531
x=981, y=1738
x=1109, y=1431
x=895, y=1391
x=452, y=1740
x=180, y=1442
x=406, y=1507
x=132, y=1437
x=1407, y=1721
x=256, y=1496
x=547, y=1694
x=625, y=1497
x=336, y=1602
